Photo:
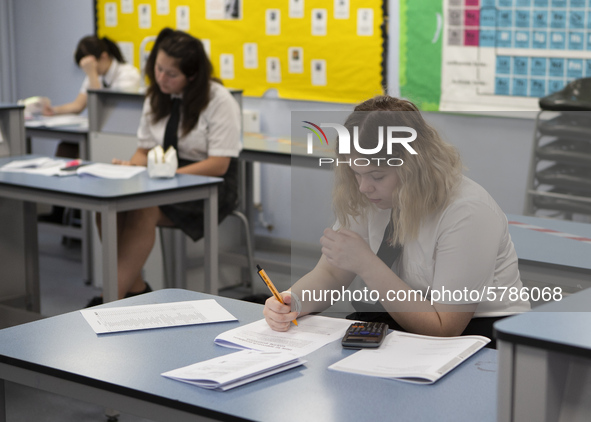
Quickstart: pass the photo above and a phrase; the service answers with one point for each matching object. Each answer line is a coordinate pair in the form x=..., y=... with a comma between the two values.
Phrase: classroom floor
x=62, y=290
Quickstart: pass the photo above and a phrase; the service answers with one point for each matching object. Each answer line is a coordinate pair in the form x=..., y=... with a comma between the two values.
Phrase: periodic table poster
x=323, y=50
x=506, y=54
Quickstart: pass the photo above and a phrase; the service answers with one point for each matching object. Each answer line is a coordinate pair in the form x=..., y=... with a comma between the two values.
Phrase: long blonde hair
x=426, y=180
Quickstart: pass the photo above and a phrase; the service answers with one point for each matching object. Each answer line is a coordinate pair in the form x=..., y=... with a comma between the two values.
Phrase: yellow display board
x=320, y=50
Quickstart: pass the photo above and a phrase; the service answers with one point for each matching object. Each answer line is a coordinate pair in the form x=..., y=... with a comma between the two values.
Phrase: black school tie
x=171, y=133
x=388, y=254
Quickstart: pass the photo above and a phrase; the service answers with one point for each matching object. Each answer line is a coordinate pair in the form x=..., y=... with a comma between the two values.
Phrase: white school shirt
x=467, y=245
x=217, y=132
x=120, y=76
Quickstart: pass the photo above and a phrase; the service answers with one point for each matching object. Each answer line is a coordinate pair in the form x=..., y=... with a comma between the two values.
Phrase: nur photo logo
x=385, y=136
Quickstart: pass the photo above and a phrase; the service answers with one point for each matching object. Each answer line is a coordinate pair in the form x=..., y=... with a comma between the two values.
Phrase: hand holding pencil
x=276, y=314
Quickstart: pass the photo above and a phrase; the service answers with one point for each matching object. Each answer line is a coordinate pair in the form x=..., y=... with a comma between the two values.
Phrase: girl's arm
x=139, y=158
x=347, y=250
x=75, y=107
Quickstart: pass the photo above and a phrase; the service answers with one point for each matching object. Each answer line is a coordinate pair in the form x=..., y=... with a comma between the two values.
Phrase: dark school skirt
x=188, y=216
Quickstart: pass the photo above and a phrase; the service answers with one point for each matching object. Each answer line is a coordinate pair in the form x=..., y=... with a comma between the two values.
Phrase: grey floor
x=62, y=290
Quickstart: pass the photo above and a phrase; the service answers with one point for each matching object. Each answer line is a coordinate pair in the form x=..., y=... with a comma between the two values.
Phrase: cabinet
x=559, y=177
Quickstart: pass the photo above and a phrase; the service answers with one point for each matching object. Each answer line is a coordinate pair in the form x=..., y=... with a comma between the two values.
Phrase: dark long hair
x=194, y=64
x=95, y=46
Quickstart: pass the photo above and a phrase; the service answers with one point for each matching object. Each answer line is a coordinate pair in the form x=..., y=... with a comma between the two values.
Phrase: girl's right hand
x=47, y=109
x=120, y=162
x=278, y=315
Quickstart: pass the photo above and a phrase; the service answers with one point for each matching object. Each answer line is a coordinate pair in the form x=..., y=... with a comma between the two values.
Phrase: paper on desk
x=142, y=317
x=43, y=165
x=311, y=334
x=229, y=371
x=110, y=171
x=57, y=121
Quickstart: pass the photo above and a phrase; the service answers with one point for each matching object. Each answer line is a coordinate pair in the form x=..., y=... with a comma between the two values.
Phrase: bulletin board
x=305, y=49
x=492, y=54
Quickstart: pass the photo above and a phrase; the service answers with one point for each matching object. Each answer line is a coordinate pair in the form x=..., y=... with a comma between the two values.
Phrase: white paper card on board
x=273, y=70
x=126, y=6
x=251, y=55
x=145, y=16
x=207, y=46
x=364, y=22
x=182, y=18
x=110, y=14
x=319, y=22
x=341, y=9
x=227, y=66
x=319, y=72
x=126, y=48
x=295, y=57
x=162, y=7
x=296, y=8
x=214, y=9
x=272, y=22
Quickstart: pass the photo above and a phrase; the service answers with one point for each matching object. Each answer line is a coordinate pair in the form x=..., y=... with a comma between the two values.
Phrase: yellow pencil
x=263, y=275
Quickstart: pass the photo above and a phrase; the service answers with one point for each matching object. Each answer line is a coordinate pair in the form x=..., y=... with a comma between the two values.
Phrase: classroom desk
x=550, y=258
x=545, y=362
x=108, y=197
x=75, y=133
x=122, y=371
x=78, y=134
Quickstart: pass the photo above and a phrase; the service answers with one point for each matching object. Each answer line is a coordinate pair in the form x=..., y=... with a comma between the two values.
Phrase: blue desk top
x=562, y=326
x=66, y=346
x=10, y=106
x=547, y=248
x=94, y=187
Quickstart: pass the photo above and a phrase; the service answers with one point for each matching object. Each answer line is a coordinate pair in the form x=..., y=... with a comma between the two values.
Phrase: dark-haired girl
x=105, y=67
x=207, y=138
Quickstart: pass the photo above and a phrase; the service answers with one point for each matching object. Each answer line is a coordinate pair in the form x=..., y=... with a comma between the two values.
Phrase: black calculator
x=361, y=335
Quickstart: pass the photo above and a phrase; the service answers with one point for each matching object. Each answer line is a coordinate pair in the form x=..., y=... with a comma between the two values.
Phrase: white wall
x=46, y=34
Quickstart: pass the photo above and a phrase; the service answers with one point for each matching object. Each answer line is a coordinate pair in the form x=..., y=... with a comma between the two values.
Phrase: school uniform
x=120, y=77
x=464, y=247
x=217, y=133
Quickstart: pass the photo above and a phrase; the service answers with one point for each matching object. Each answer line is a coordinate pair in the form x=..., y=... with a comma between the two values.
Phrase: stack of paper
x=311, y=334
x=229, y=371
x=43, y=166
x=412, y=357
x=110, y=171
x=159, y=315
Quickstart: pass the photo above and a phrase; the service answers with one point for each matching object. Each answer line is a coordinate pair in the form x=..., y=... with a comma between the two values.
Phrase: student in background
x=104, y=66
x=187, y=108
x=420, y=225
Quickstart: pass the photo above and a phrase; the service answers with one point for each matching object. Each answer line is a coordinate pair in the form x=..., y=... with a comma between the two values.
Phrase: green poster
x=421, y=23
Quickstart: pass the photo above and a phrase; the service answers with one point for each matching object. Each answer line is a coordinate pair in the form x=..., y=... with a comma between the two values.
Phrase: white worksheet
x=159, y=315
x=311, y=334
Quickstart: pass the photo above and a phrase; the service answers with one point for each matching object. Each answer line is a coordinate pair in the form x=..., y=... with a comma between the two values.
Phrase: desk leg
x=2, y=401
x=211, y=241
x=86, y=225
x=32, y=257
x=109, y=252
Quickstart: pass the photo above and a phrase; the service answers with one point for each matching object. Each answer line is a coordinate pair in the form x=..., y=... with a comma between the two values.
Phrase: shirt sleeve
x=84, y=86
x=128, y=79
x=223, y=125
x=466, y=251
x=145, y=136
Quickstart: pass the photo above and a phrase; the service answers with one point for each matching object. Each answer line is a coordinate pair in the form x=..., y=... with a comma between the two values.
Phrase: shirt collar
x=110, y=75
